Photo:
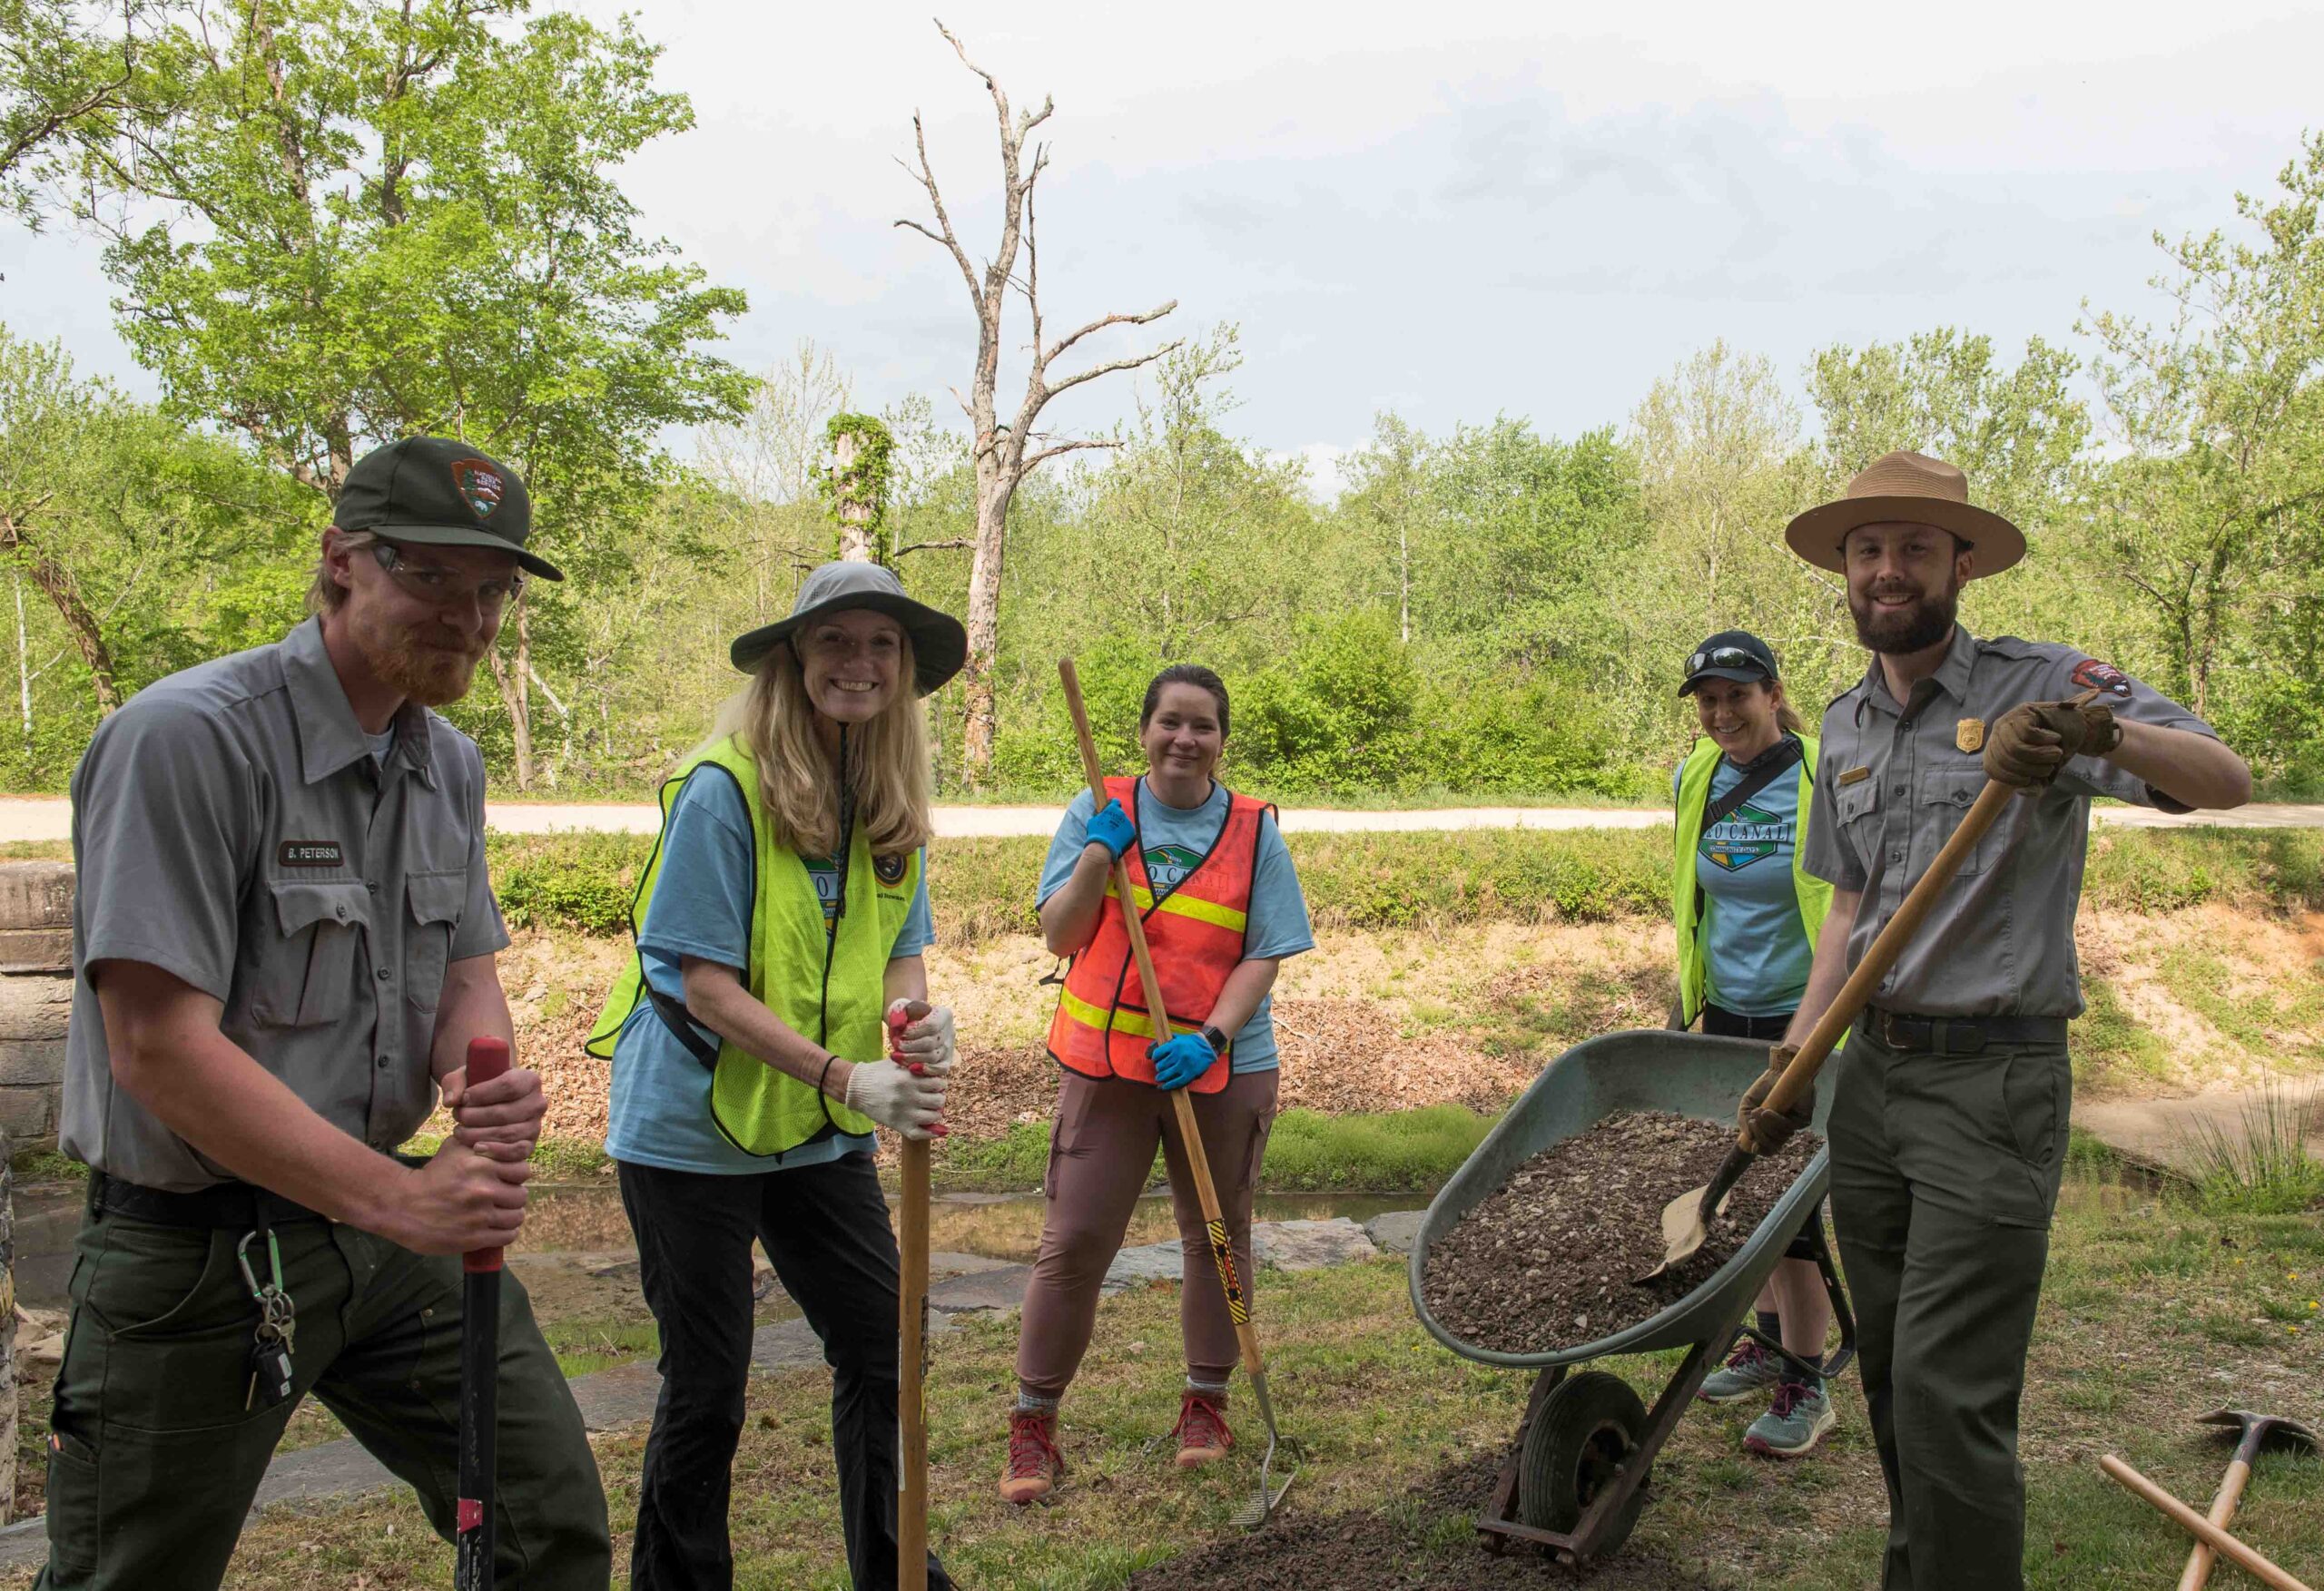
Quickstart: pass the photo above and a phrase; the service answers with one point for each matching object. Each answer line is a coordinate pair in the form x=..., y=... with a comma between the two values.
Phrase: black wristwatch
x=1216, y=1039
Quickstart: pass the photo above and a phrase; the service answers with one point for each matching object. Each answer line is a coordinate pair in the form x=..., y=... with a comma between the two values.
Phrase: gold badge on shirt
x=1969, y=735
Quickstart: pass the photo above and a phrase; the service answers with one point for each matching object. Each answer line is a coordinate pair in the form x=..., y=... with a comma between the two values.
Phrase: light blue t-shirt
x=659, y=1113
x=1756, y=952
x=1175, y=839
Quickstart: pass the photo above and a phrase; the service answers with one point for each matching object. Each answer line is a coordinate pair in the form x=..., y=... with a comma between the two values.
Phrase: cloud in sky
x=1454, y=211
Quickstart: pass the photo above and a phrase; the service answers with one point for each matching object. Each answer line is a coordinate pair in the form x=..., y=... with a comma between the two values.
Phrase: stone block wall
x=36, y=997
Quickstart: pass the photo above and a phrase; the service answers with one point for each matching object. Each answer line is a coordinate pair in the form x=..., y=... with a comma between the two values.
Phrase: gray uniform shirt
x=1895, y=780
x=232, y=828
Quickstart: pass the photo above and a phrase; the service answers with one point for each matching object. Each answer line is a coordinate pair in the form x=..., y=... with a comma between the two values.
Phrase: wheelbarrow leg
x=1501, y=1509
x=1811, y=1244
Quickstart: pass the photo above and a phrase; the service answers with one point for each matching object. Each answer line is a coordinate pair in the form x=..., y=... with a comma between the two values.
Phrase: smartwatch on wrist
x=1216, y=1039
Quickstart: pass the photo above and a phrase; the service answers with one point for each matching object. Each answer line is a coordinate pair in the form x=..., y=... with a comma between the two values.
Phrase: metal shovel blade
x=1685, y=1219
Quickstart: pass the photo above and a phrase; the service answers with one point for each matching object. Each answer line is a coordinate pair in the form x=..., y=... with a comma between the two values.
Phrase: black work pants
x=825, y=1228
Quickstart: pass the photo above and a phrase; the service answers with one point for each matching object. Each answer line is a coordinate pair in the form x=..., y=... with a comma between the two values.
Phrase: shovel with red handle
x=480, y=1374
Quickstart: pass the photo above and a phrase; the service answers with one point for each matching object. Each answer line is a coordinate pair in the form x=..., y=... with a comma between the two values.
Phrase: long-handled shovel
x=479, y=1375
x=911, y=1293
x=1262, y=1504
x=1685, y=1219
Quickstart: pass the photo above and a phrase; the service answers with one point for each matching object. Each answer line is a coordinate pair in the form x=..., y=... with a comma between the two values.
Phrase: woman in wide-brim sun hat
x=783, y=915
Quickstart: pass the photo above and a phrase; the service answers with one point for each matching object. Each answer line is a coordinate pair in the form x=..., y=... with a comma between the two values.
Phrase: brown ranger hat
x=1911, y=488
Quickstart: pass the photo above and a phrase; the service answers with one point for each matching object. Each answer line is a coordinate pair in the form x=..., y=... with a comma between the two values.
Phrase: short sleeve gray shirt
x=231, y=826
x=1893, y=782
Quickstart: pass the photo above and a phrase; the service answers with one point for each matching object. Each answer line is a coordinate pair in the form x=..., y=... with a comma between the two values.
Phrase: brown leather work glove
x=1763, y=1130
x=2034, y=739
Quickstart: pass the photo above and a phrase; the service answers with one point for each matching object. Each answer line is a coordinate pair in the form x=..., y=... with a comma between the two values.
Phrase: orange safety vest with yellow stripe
x=1195, y=932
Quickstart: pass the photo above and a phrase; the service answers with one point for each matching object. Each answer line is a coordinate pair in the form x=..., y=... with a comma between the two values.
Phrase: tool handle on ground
x=912, y=1338
x=1857, y=992
x=2200, y=1528
x=488, y=1058
x=1197, y=1162
x=2200, y=1558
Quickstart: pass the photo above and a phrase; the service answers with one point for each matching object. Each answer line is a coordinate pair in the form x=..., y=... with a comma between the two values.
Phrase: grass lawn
x=2153, y=1312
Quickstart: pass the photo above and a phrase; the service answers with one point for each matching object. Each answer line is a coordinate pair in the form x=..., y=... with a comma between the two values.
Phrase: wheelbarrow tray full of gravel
x=1578, y=1475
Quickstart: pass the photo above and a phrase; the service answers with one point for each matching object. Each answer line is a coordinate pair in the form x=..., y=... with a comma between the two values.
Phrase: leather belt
x=1957, y=1036
x=226, y=1204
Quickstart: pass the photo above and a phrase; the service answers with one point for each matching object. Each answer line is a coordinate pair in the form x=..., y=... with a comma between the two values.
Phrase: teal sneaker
x=1749, y=1368
x=1792, y=1427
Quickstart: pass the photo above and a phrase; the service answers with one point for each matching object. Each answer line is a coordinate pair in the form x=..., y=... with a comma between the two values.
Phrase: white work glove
x=927, y=1040
x=893, y=1097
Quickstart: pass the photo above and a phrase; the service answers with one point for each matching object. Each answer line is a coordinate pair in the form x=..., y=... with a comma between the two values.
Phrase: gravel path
x=51, y=818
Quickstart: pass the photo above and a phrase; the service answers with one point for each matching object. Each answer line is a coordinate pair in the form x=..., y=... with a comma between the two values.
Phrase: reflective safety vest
x=1195, y=932
x=824, y=977
x=1694, y=800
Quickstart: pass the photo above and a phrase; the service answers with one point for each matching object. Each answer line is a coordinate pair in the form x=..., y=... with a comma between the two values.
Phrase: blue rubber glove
x=1110, y=827
x=1181, y=1060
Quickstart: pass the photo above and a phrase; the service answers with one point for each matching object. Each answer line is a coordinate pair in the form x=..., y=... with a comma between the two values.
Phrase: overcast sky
x=1448, y=209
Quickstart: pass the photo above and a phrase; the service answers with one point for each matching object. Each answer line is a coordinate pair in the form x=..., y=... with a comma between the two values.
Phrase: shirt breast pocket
x=309, y=978
x=1947, y=795
x=1858, y=807
x=436, y=900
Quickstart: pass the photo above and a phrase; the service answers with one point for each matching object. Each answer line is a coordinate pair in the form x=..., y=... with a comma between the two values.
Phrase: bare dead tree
x=1005, y=451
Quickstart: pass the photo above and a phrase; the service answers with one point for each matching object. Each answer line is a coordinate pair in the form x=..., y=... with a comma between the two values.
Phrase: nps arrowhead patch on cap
x=479, y=484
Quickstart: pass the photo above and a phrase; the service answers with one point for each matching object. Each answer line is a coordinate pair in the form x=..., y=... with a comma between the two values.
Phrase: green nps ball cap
x=434, y=492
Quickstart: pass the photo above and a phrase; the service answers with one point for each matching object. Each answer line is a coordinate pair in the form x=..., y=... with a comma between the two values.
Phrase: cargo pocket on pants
x=74, y=1525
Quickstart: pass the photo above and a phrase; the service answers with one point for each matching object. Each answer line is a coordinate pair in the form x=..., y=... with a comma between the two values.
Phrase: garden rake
x=1269, y=1495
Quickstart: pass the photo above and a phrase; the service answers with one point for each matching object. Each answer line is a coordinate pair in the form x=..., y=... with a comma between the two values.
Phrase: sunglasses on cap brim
x=1729, y=657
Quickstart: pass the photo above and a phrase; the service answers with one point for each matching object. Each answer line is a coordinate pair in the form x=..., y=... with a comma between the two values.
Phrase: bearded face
x=1903, y=586
x=421, y=628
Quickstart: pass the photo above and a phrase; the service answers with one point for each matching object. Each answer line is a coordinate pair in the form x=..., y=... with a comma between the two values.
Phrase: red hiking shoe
x=1034, y=1462
x=1202, y=1431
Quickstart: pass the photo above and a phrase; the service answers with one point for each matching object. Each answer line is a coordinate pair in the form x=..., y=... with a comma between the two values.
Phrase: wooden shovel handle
x=1857, y=993
x=911, y=1411
x=2200, y=1528
x=1190, y=1135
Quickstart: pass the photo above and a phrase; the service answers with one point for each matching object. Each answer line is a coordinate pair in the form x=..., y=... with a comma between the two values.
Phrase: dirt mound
x=1392, y=1548
x=1341, y=1057
x=1551, y=1259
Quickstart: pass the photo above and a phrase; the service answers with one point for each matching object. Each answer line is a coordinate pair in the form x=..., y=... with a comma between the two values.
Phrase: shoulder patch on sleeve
x=2089, y=674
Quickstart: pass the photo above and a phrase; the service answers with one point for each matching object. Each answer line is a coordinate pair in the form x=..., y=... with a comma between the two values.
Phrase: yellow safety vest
x=1694, y=799
x=824, y=977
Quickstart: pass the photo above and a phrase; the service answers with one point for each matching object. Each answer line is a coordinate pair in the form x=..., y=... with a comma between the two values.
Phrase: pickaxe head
x=2256, y=1431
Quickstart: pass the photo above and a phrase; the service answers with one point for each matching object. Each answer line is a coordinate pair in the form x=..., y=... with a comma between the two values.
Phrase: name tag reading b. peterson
x=310, y=854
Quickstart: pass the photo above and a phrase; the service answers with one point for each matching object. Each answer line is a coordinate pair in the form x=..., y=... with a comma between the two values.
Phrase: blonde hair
x=327, y=595
x=888, y=762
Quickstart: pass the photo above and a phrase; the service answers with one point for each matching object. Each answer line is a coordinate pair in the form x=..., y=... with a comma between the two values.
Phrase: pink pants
x=1100, y=1149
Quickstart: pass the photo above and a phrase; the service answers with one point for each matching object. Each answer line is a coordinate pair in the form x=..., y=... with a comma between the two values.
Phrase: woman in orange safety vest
x=1220, y=904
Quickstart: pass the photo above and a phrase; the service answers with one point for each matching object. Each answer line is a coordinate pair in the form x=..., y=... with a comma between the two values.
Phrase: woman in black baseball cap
x=1746, y=917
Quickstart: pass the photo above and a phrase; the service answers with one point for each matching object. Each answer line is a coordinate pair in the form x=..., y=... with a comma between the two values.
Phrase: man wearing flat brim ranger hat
x=1948, y=1119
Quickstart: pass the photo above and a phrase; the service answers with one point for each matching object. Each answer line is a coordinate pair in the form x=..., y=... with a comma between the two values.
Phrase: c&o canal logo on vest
x=1746, y=837
x=1166, y=866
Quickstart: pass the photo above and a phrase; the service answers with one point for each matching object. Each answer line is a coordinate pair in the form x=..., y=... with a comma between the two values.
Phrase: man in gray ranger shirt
x=1948, y=1121
x=284, y=940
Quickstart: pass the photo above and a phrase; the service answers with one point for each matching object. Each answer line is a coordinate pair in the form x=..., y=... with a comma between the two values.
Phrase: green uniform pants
x=155, y=1453
x=1944, y=1173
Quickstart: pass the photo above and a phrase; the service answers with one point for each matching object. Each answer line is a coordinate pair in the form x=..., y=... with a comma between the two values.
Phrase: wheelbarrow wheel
x=1574, y=1449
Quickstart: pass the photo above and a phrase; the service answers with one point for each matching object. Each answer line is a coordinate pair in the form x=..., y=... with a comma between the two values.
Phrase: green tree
x=381, y=218
x=2211, y=521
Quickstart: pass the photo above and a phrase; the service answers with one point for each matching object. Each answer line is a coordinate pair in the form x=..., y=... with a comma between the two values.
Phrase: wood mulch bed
x=1551, y=1259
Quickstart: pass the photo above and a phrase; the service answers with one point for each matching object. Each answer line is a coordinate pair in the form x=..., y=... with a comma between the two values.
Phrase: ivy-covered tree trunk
x=858, y=521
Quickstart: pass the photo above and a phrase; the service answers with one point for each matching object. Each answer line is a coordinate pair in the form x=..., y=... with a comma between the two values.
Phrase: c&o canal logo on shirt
x=1166, y=866
x=824, y=871
x=1746, y=837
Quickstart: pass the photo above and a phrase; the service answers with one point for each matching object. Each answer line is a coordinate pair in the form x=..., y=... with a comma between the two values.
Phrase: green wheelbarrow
x=1577, y=1477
